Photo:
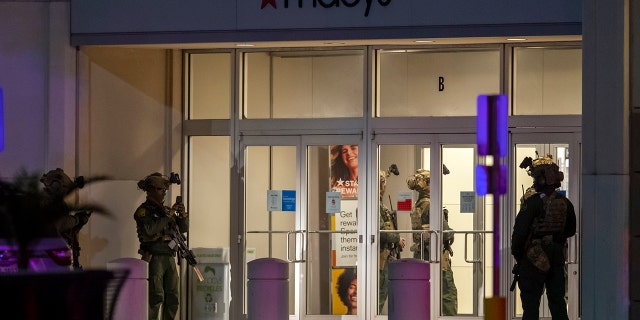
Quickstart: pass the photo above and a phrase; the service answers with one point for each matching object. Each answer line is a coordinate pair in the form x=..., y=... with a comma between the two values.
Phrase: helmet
x=420, y=180
x=155, y=179
x=384, y=174
x=544, y=170
x=56, y=182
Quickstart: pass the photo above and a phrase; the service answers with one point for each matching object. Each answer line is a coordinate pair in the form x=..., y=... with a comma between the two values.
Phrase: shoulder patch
x=141, y=212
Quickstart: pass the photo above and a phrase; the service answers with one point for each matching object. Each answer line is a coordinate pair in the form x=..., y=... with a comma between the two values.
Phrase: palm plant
x=28, y=213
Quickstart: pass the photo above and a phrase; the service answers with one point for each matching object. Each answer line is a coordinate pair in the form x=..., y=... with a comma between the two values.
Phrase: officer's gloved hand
x=425, y=227
x=179, y=209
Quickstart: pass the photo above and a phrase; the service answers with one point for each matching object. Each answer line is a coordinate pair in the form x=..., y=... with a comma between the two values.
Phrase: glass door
x=429, y=211
x=319, y=231
x=564, y=149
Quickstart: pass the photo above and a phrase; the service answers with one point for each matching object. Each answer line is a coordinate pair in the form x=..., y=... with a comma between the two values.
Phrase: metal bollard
x=133, y=300
x=409, y=284
x=268, y=289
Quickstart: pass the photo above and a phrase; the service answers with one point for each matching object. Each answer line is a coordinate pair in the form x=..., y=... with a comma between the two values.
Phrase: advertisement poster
x=344, y=246
x=344, y=291
x=344, y=169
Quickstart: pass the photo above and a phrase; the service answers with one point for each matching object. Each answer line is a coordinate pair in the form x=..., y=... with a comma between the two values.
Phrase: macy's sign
x=328, y=4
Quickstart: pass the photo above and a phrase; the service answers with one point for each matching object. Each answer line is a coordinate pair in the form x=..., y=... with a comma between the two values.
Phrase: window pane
x=428, y=83
x=547, y=81
x=210, y=86
x=303, y=84
x=209, y=192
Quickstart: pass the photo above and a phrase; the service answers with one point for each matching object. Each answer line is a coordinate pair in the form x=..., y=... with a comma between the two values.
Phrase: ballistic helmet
x=56, y=182
x=420, y=181
x=155, y=180
x=543, y=169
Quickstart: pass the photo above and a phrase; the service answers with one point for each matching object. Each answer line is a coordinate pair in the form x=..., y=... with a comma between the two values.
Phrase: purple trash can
x=409, y=285
x=268, y=289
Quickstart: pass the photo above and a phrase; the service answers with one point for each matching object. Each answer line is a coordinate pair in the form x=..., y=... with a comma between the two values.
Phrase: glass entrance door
x=564, y=149
x=301, y=205
x=436, y=213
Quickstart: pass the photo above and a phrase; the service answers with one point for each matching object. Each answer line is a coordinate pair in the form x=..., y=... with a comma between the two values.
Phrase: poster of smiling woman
x=344, y=169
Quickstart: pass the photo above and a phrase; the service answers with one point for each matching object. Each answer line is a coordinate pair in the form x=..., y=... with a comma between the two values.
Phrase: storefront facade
x=281, y=104
x=243, y=99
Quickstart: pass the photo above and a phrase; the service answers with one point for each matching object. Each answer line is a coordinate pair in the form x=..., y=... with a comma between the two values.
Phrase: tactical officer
x=57, y=186
x=390, y=242
x=421, y=182
x=538, y=243
x=154, y=222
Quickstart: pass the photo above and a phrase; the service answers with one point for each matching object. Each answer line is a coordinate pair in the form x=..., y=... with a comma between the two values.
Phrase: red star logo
x=266, y=2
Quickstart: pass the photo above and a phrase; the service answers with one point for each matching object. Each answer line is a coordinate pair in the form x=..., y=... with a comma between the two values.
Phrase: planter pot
x=60, y=295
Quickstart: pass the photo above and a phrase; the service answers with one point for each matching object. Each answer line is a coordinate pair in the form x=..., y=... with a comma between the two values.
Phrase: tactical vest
x=387, y=219
x=553, y=219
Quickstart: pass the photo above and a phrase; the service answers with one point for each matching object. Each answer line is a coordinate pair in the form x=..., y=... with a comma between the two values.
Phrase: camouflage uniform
x=152, y=223
x=449, y=290
x=389, y=251
x=420, y=221
x=538, y=244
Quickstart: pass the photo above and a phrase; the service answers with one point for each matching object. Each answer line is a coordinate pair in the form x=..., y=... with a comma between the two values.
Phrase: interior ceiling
x=370, y=42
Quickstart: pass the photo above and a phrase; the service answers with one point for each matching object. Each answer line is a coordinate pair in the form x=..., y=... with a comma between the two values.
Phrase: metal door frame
x=301, y=142
x=435, y=143
x=574, y=139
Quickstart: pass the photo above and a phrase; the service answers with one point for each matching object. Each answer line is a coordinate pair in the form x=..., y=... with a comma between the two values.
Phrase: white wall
x=126, y=112
x=37, y=68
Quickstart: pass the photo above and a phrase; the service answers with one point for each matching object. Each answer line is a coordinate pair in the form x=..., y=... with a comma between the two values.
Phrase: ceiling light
x=244, y=45
x=424, y=41
x=516, y=39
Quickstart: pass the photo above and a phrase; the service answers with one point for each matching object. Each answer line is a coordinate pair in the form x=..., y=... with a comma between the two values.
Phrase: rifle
x=394, y=220
x=447, y=243
x=177, y=239
x=516, y=276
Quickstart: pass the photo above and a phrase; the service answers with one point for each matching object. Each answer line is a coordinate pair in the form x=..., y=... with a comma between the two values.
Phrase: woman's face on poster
x=352, y=293
x=349, y=154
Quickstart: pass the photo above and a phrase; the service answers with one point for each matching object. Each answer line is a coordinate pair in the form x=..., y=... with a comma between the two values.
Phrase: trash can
x=409, y=285
x=133, y=299
x=210, y=298
x=268, y=289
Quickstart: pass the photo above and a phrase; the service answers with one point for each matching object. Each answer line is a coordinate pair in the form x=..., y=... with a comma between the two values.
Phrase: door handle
x=295, y=242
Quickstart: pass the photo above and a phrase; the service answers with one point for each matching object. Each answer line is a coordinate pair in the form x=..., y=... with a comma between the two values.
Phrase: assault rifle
x=177, y=239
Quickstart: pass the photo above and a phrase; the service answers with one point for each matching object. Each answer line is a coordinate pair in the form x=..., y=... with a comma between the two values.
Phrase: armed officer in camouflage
x=58, y=185
x=153, y=224
x=538, y=243
x=390, y=242
x=421, y=182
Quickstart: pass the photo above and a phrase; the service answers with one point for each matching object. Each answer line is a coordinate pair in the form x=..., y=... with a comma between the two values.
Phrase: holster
x=145, y=255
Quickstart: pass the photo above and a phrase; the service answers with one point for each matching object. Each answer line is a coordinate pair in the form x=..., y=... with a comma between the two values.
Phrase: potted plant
x=29, y=235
